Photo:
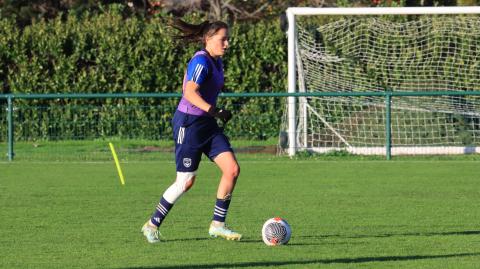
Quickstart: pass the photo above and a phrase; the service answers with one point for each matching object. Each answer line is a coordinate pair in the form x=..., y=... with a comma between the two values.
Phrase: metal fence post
x=10, y=127
x=388, y=125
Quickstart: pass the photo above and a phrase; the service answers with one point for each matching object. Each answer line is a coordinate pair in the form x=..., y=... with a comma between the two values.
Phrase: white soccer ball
x=276, y=231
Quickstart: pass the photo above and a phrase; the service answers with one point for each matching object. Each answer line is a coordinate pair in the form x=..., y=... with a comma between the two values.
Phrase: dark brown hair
x=196, y=32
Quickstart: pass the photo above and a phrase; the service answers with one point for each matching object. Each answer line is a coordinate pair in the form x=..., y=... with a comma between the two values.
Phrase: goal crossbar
x=301, y=11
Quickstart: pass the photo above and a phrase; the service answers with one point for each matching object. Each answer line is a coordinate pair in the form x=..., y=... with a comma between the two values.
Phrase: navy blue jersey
x=194, y=130
x=207, y=72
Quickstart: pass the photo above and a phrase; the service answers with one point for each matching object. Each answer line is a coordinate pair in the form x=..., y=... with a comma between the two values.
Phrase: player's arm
x=192, y=95
x=197, y=73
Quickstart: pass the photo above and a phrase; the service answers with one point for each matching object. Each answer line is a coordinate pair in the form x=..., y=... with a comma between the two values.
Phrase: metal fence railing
x=36, y=124
x=39, y=119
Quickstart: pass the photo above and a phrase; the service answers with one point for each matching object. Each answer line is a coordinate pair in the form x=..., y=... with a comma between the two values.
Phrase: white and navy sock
x=161, y=212
x=220, y=211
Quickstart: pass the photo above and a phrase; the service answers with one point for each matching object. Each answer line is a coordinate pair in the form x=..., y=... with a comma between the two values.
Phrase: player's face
x=217, y=44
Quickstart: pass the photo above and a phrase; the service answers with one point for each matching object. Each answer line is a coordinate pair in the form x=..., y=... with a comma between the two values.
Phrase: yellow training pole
x=119, y=169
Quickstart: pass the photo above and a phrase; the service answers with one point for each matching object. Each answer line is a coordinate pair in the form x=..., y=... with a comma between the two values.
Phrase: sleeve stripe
x=198, y=71
x=195, y=72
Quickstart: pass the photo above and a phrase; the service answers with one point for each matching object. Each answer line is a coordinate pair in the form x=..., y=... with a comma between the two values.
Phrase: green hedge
x=107, y=53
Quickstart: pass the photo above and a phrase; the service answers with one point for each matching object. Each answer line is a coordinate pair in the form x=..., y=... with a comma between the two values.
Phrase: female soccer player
x=196, y=130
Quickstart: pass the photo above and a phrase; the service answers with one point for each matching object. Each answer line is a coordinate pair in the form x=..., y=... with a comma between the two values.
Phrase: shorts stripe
x=181, y=135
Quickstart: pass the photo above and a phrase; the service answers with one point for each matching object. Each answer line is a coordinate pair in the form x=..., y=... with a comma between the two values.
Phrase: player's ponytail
x=196, y=32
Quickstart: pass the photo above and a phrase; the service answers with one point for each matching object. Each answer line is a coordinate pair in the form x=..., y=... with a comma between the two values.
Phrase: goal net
x=426, y=56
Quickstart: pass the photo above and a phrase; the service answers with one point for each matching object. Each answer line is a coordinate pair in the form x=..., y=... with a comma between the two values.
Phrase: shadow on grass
x=325, y=236
x=391, y=235
x=186, y=239
x=256, y=242
x=310, y=262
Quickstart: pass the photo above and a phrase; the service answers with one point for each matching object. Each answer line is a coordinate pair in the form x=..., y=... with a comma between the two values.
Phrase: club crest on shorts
x=187, y=162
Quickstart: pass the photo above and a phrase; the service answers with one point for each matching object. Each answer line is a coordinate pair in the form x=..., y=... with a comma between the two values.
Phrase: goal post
x=417, y=58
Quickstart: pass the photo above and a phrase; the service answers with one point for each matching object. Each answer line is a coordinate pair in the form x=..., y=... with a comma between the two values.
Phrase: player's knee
x=189, y=184
x=233, y=171
x=236, y=171
x=185, y=180
x=183, y=183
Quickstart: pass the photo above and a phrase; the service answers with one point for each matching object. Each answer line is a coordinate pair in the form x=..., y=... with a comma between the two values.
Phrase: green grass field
x=344, y=213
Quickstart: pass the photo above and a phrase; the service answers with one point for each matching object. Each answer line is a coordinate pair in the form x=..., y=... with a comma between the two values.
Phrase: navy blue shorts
x=194, y=135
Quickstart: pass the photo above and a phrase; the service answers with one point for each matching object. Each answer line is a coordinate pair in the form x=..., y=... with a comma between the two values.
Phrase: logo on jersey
x=187, y=162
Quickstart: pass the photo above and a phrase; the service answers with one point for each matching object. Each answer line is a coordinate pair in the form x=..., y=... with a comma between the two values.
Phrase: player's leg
x=228, y=164
x=187, y=164
x=223, y=156
x=182, y=184
x=187, y=160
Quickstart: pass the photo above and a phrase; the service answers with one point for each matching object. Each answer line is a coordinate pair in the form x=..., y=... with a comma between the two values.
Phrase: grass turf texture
x=343, y=213
x=127, y=149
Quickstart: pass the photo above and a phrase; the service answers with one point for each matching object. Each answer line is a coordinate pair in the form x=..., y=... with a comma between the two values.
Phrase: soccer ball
x=276, y=231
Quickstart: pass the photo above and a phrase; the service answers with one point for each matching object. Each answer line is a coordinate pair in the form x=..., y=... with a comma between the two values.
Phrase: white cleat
x=224, y=232
x=151, y=233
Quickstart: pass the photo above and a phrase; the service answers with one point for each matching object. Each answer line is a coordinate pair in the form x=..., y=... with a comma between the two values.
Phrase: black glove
x=220, y=113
